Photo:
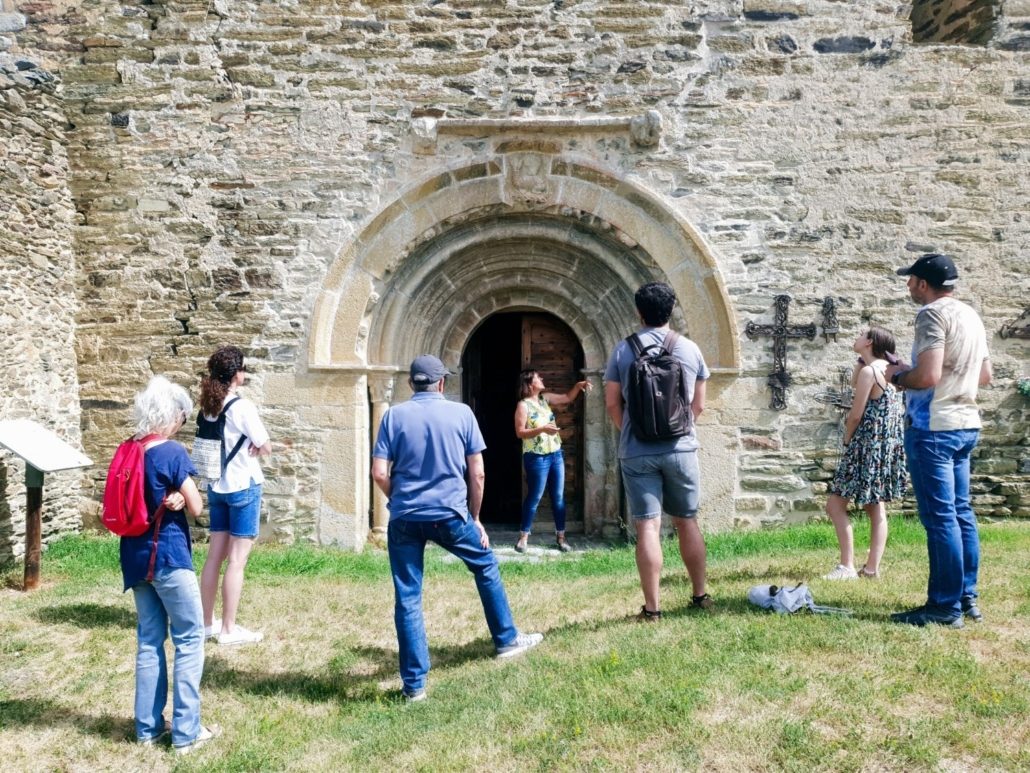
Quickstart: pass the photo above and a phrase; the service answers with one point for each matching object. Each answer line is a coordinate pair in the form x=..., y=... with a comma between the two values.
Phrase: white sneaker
x=240, y=635
x=523, y=642
x=841, y=572
x=210, y=631
x=205, y=735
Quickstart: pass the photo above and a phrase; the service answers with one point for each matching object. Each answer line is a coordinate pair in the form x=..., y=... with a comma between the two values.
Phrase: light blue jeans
x=171, y=600
x=939, y=465
x=406, y=542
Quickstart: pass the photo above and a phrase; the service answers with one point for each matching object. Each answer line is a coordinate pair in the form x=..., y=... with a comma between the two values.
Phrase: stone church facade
x=337, y=187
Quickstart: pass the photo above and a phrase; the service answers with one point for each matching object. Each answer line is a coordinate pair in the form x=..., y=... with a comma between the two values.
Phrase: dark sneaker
x=924, y=615
x=647, y=616
x=702, y=602
x=414, y=696
x=971, y=610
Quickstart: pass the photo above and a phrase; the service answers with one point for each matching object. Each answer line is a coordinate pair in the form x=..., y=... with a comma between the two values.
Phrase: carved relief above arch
x=522, y=229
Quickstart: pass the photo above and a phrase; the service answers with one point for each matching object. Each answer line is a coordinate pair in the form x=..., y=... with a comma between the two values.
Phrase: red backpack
x=125, y=507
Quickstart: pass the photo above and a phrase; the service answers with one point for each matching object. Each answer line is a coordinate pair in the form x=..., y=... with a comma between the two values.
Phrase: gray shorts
x=670, y=482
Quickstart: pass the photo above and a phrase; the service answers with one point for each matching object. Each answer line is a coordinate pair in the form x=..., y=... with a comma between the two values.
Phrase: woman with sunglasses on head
x=234, y=499
x=542, y=456
x=872, y=468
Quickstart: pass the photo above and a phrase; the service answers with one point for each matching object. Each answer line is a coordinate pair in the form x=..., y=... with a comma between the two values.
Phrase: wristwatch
x=896, y=378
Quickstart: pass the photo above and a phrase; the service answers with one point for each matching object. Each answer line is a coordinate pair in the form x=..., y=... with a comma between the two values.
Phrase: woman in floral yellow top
x=541, y=452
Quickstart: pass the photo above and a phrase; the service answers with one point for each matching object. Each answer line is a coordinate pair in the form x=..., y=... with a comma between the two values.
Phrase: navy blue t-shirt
x=166, y=466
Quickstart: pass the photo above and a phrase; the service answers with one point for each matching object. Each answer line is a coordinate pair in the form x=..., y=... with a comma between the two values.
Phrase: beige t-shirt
x=951, y=404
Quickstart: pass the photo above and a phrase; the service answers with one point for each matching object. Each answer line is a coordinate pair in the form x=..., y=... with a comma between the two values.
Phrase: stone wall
x=227, y=159
x=38, y=377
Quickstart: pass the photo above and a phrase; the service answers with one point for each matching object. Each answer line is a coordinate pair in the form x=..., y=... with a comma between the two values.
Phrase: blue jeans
x=172, y=599
x=406, y=542
x=939, y=465
x=544, y=470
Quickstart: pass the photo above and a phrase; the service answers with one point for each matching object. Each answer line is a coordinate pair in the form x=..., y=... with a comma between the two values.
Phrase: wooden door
x=550, y=346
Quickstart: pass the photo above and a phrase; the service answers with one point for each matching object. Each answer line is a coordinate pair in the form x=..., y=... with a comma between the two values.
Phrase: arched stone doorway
x=496, y=352
x=514, y=232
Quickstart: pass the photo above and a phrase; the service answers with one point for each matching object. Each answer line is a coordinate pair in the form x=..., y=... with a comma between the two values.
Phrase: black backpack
x=656, y=397
x=209, y=455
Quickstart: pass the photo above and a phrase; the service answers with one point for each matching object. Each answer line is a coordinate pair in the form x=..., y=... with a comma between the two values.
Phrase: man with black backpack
x=654, y=390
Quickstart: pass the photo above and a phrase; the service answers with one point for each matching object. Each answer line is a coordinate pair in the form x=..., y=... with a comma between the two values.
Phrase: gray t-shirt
x=694, y=369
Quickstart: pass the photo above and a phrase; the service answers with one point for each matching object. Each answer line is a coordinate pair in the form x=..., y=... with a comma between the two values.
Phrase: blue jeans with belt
x=544, y=470
x=939, y=463
x=406, y=544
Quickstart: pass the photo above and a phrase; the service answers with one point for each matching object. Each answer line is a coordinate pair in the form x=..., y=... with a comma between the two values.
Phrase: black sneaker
x=971, y=610
x=925, y=615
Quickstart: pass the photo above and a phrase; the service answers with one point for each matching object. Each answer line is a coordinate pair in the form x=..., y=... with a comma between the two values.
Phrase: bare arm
x=264, y=450
x=522, y=431
x=613, y=402
x=926, y=373
x=555, y=398
x=477, y=482
x=864, y=381
x=697, y=405
x=194, y=504
x=986, y=373
x=381, y=474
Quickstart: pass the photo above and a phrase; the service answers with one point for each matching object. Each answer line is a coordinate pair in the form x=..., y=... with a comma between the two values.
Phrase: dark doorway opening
x=497, y=351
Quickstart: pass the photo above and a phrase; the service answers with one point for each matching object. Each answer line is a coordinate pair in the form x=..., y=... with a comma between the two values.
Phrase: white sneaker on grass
x=210, y=631
x=841, y=572
x=205, y=735
x=240, y=635
x=523, y=642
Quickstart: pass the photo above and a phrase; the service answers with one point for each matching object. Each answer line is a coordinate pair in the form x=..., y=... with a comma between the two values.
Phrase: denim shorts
x=237, y=513
x=669, y=482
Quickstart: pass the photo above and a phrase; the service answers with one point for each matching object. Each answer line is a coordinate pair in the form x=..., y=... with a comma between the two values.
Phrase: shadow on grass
x=48, y=714
x=87, y=615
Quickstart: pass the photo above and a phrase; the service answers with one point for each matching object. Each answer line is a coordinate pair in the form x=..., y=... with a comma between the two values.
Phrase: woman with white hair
x=158, y=567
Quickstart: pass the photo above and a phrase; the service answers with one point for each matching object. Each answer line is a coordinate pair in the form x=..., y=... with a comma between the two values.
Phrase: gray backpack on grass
x=786, y=601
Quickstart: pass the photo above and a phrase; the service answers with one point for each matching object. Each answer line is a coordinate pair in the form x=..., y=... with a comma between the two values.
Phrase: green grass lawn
x=732, y=689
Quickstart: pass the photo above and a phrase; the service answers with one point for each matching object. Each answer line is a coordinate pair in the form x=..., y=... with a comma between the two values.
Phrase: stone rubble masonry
x=38, y=378
x=224, y=158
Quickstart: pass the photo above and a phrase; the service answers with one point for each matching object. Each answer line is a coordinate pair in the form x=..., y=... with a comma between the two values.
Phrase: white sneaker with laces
x=210, y=631
x=523, y=642
x=841, y=572
x=205, y=735
x=240, y=635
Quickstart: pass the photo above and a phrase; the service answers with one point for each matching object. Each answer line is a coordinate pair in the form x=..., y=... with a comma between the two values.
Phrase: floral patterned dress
x=873, y=466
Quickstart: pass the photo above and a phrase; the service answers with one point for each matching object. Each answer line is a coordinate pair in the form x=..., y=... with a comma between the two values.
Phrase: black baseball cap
x=427, y=369
x=937, y=269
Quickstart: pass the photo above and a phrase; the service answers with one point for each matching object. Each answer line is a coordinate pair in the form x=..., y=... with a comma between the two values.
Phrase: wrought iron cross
x=780, y=331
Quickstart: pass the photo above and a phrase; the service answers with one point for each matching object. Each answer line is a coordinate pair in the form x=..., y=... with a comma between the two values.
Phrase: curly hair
x=160, y=407
x=654, y=301
x=225, y=363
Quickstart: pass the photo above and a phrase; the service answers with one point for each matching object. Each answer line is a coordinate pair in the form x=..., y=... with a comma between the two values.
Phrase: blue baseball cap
x=427, y=369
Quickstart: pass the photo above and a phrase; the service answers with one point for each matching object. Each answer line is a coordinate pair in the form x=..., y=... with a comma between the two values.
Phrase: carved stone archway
x=521, y=230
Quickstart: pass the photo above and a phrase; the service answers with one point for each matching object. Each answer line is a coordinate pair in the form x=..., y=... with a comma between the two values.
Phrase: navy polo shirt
x=166, y=467
x=428, y=439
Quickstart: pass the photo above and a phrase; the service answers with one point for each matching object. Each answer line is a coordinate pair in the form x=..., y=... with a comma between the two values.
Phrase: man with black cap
x=950, y=362
x=428, y=461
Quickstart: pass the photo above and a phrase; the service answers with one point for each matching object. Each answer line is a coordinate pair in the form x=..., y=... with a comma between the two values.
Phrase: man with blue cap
x=950, y=363
x=428, y=461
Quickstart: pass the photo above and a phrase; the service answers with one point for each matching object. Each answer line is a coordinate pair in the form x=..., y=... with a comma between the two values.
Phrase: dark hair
x=221, y=367
x=526, y=382
x=882, y=341
x=654, y=302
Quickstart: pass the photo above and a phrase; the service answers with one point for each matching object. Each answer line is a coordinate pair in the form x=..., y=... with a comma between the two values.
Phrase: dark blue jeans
x=544, y=470
x=939, y=465
x=406, y=543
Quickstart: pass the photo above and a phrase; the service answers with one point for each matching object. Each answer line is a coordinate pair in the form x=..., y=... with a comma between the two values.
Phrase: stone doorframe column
x=381, y=388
